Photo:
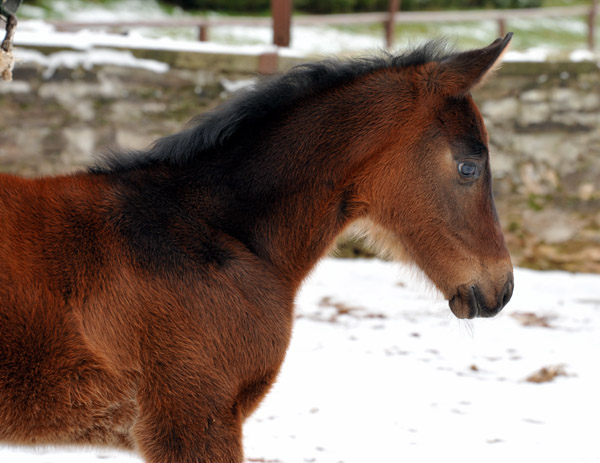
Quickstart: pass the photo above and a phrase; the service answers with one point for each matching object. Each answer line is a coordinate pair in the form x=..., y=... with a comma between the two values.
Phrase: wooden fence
x=281, y=20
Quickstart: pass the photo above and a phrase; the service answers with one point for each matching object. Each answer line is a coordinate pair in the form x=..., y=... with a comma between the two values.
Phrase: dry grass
x=547, y=374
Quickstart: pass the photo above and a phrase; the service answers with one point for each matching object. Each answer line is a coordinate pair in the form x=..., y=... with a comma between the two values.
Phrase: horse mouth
x=469, y=302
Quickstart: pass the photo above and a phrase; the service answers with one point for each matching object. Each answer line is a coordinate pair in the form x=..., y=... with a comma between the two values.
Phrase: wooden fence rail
x=282, y=19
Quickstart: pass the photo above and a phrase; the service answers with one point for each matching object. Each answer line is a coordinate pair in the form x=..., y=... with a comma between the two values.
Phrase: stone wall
x=543, y=120
x=544, y=125
x=56, y=123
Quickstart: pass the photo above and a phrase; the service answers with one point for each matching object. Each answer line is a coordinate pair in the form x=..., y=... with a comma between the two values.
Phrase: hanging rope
x=7, y=60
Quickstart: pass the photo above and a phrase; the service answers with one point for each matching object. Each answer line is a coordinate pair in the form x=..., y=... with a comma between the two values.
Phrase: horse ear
x=461, y=72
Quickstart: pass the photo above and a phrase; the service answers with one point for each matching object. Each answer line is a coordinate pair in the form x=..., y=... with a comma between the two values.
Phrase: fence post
x=501, y=27
x=268, y=62
x=281, y=11
x=393, y=7
x=592, y=25
x=203, y=32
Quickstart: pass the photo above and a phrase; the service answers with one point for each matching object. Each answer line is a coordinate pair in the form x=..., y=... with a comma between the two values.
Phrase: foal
x=147, y=304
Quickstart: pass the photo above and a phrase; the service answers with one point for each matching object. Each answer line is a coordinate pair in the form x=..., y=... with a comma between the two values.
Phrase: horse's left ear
x=460, y=73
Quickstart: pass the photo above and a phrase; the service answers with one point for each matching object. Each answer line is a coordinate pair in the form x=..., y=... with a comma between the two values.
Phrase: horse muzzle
x=470, y=301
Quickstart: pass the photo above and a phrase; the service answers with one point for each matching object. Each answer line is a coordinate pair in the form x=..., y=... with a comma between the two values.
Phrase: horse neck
x=298, y=181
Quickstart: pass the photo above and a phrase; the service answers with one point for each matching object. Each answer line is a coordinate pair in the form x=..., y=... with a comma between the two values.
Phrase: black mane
x=214, y=129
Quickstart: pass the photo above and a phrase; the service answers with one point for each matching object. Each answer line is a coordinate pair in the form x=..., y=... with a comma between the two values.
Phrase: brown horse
x=147, y=303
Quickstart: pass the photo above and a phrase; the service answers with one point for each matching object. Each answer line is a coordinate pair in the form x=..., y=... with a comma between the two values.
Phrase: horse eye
x=467, y=169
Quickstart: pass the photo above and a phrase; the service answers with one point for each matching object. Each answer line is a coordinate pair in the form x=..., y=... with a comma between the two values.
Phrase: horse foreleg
x=176, y=425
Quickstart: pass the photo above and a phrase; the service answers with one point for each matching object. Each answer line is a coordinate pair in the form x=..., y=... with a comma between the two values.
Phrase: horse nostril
x=506, y=294
x=478, y=306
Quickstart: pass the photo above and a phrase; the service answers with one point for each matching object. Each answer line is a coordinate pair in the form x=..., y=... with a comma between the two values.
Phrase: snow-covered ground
x=379, y=371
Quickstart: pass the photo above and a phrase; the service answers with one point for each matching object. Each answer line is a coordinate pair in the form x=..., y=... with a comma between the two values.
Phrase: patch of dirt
x=547, y=374
x=532, y=319
x=343, y=309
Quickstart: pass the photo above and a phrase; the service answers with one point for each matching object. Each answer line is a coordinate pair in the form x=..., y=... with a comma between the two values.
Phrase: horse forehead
x=462, y=119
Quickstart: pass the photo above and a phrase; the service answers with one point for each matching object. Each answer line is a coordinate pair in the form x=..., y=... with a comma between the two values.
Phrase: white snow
x=85, y=39
x=88, y=59
x=397, y=378
x=306, y=40
x=581, y=55
x=537, y=54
